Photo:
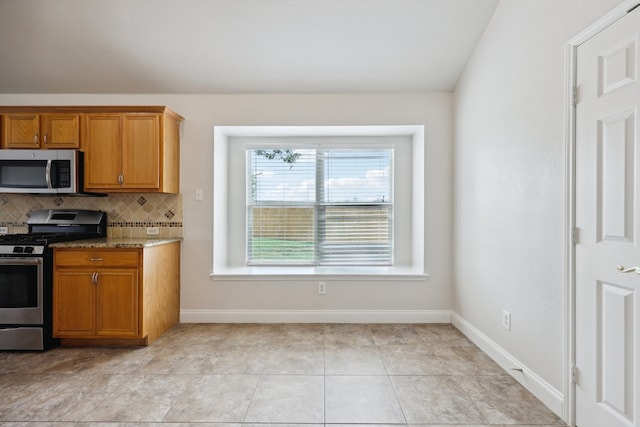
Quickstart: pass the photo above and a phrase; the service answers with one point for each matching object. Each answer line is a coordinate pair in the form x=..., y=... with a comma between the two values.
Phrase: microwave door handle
x=48, y=173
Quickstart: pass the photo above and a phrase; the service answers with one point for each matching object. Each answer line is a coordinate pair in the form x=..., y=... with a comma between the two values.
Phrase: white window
x=320, y=206
x=348, y=203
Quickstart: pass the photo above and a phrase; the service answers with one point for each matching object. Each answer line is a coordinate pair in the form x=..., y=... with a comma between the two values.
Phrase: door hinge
x=574, y=96
x=574, y=374
x=574, y=236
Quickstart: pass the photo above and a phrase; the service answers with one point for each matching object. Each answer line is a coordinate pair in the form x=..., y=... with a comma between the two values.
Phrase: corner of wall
x=551, y=397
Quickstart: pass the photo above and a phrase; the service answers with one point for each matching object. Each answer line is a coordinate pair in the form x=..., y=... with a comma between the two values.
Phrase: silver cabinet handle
x=622, y=269
x=46, y=140
x=36, y=138
x=96, y=259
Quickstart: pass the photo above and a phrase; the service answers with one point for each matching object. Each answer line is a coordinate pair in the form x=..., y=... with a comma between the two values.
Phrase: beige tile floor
x=266, y=374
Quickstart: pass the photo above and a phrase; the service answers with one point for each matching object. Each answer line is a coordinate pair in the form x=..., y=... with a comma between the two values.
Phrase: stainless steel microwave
x=41, y=171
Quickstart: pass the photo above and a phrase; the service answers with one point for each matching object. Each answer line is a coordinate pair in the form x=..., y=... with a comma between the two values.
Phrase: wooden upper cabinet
x=60, y=130
x=132, y=152
x=101, y=142
x=141, y=148
x=127, y=149
x=33, y=130
x=122, y=151
x=21, y=131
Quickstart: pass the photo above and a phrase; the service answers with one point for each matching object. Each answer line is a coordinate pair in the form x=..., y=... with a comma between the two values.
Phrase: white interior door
x=608, y=227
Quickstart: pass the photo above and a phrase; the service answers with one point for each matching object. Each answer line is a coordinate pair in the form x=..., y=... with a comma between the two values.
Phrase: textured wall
x=509, y=177
x=203, y=112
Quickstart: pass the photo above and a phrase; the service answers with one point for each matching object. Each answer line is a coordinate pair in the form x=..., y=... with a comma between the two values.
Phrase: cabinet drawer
x=96, y=257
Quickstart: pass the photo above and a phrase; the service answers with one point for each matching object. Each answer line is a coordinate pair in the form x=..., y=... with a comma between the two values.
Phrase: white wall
x=202, y=296
x=509, y=179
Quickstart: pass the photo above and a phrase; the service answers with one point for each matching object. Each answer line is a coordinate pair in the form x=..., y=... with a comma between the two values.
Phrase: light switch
x=198, y=193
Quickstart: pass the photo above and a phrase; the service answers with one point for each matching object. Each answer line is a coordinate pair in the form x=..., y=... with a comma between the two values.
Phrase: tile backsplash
x=128, y=215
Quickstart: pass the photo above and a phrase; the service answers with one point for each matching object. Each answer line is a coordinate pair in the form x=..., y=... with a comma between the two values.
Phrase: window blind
x=319, y=207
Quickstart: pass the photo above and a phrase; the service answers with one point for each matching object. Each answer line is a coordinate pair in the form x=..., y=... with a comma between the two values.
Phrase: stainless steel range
x=26, y=274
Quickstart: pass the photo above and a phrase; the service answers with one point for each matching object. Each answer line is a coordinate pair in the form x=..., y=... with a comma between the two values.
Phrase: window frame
x=319, y=227
x=226, y=139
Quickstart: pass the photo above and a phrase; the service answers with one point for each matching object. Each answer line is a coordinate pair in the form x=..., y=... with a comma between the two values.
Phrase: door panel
x=61, y=130
x=616, y=181
x=73, y=303
x=607, y=217
x=615, y=341
x=117, y=303
x=102, y=146
x=141, y=151
x=617, y=66
x=21, y=131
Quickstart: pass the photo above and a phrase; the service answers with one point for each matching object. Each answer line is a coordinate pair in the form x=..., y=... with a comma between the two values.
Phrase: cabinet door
x=74, y=297
x=141, y=151
x=60, y=130
x=21, y=131
x=102, y=140
x=117, y=303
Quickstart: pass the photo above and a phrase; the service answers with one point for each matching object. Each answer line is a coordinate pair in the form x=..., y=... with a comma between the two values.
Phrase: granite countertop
x=117, y=242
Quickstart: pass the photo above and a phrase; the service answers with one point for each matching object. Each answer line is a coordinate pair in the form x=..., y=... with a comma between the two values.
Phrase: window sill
x=323, y=273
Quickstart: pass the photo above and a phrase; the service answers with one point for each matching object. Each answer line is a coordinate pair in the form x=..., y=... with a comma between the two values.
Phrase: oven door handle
x=20, y=261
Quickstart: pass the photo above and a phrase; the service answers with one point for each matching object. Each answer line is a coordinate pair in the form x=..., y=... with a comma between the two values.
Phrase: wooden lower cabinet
x=96, y=302
x=127, y=296
x=75, y=303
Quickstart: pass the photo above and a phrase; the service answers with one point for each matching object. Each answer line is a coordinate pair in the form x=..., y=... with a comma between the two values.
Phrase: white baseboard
x=532, y=382
x=315, y=316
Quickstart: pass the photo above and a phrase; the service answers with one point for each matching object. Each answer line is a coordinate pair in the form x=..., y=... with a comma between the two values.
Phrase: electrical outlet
x=4, y=230
x=506, y=320
x=153, y=231
x=322, y=288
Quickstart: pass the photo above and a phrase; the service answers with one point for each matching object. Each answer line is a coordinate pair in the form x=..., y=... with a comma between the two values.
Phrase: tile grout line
x=81, y=365
x=324, y=380
x=253, y=394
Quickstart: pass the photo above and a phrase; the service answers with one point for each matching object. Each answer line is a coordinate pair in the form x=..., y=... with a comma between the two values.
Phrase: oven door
x=21, y=291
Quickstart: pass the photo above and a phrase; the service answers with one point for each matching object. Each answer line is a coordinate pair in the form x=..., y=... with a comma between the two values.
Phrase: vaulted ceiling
x=237, y=46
